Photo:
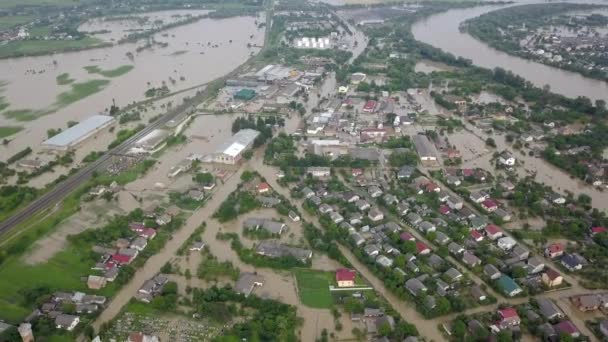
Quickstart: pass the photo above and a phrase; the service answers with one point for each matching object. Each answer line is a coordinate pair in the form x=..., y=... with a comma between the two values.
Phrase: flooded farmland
x=180, y=58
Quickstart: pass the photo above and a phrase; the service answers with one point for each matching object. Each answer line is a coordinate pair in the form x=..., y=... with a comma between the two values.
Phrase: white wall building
x=232, y=150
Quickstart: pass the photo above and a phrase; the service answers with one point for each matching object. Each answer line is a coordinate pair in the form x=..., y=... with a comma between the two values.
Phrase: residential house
x=371, y=250
x=470, y=259
x=406, y=172
x=502, y=214
x=567, y=328
x=489, y=205
x=415, y=286
x=375, y=214
x=96, y=282
x=355, y=218
x=357, y=239
x=390, y=199
x=491, y=271
x=247, y=282
x=336, y=217
x=506, y=243
x=508, y=318
x=197, y=246
x=435, y=261
x=350, y=197
x=452, y=275
x=362, y=205
x=66, y=322
x=508, y=286
x=551, y=278
x=422, y=248
x=443, y=196
x=319, y=171
x=554, y=250
x=414, y=218
x=402, y=208
x=476, y=236
x=478, y=196
x=308, y=192
x=384, y=261
x=586, y=302
x=345, y=277
x=453, y=180
x=571, y=262
x=374, y=191
x=506, y=159
x=478, y=293
x=426, y=227
x=477, y=223
x=603, y=328
x=442, y=238
x=273, y=249
x=325, y=208
x=405, y=236
x=548, y=309
x=263, y=188
x=293, y=216
x=139, y=243
x=455, y=248
x=535, y=265
x=493, y=232
x=520, y=253
x=271, y=226
x=454, y=203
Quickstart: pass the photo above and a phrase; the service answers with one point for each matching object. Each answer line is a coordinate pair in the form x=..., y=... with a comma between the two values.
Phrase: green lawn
x=121, y=70
x=64, y=79
x=313, y=288
x=6, y=131
x=80, y=91
x=42, y=47
x=8, y=21
x=24, y=114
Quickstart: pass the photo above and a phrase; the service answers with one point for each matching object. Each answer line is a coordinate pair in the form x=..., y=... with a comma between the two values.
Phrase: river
x=441, y=31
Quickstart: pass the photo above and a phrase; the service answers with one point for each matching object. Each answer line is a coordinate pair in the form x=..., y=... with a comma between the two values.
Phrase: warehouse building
x=244, y=94
x=76, y=134
x=426, y=150
x=151, y=142
x=232, y=150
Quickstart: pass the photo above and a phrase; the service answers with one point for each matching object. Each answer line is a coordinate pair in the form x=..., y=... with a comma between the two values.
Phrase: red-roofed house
x=405, y=236
x=263, y=188
x=121, y=259
x=477, y=236
x=148, y=233
x=468, y=172
x=444, y=209
x=422, y=248
x=508, y=318
x=568, y=328
x=345, y=277
x=493, y=232
x=432, y=187
x=489, y=205
x=598, y=230
x=370, y=106
x=554, y=250
x=452, y=153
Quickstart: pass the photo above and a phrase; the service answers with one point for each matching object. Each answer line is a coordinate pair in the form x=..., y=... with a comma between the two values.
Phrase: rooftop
x=78, y=132
x=238, y=142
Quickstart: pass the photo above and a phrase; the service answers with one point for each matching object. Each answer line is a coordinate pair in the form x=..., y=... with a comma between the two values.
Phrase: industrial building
x=426, y=150
x=76, y=134
x=152, y=142
x=312, y=43
x=232, y=150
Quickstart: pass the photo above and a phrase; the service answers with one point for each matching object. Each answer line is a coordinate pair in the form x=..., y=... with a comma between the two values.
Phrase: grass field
x=121, y=70
x=6, y=131
x=313, y=288
x=10, y=21
x=80, y=91
x=24, y=114
x=41, y=47
x=64, y=79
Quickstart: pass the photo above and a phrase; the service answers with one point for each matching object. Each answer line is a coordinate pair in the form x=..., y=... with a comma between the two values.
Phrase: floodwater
x=189, y=59
x=441, y=30
x=476, y=154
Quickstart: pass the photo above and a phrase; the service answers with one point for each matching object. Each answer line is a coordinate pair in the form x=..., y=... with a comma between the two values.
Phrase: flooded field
x=427, y=67
x=183, y=57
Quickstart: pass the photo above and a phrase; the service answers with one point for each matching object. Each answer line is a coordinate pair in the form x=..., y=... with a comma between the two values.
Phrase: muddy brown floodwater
x=190, y=54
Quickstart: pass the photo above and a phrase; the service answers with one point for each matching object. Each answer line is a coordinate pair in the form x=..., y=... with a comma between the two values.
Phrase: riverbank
x=544, y=26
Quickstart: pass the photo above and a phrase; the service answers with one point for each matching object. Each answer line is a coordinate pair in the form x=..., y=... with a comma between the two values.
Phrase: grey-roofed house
x=274, y=249
x=491, y=271
x=548, y=308
x=273, y=227
x=390, y=199
x=520, y=252
x=67, y=322
x=478, y=223
x=415, y=286
x=414, y=218
x=478, y=293
x=406, y=172
x=325, y=208
x=442, y=238
x=470, y=259
x=336, y=217
x=374, y=191
x=435, y=261
x=307, y=192
x=357, y=239
x=355, y=218
x=268, y=202
x=426, y=227
x=362, y=205
x=535, y=265
x=402, y=208
x=371, y=250
x=455, y=248
x=247, y=282
x=139, y=243
x=384, y=261
x=412, y=266
x=453, y=274
x=426, y=150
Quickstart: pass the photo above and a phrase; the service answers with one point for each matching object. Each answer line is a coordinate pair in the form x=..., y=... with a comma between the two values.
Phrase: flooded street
x=441, y=31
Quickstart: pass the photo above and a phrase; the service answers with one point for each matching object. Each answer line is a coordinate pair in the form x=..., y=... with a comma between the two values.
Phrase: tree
x=459, y=329
x=248, y=154
x=204, y=178
x=490, y=142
